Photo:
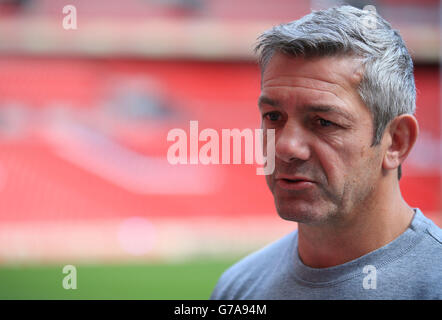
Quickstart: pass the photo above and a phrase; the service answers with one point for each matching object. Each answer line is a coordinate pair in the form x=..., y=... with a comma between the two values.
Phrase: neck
x=375, y=223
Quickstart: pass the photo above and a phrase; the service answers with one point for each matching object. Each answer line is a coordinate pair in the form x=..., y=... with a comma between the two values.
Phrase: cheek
x=337, y=164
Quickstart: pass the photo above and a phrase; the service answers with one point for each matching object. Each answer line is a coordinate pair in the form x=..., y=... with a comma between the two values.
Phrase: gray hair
x=387, y=87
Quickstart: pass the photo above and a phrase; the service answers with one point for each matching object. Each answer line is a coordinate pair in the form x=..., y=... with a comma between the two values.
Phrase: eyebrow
x=337, y=110
x=266, y=100
x=263, y=100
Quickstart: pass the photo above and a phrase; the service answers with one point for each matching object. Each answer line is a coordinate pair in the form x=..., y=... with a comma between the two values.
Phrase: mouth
x=294, y=180
x=294, y=183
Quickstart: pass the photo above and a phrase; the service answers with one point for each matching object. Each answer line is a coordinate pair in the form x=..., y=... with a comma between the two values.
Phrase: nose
x=291, y=143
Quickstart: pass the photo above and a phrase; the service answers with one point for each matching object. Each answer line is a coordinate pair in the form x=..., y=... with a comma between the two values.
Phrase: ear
x=401, y=137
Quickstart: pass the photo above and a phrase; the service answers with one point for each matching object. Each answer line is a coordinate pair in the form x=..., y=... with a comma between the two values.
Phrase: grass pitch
x=185, y=280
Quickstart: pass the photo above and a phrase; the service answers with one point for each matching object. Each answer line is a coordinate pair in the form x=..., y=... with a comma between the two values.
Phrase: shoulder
x=249, y=271
x=425, y=261
x=432, y=233
x=427, y=253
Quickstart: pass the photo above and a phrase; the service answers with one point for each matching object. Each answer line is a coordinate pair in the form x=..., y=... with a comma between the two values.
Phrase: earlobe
x=401, y=135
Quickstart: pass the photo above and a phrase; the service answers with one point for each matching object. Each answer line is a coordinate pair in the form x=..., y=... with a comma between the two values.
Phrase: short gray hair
x=387, y=87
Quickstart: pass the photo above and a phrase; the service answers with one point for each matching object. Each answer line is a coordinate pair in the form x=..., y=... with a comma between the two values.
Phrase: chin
x=301, y=212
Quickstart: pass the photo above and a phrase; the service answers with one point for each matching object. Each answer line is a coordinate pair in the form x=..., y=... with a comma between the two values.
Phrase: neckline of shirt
x=378, y=258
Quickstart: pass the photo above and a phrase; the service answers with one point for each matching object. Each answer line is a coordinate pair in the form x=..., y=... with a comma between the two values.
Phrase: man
x=340, y=94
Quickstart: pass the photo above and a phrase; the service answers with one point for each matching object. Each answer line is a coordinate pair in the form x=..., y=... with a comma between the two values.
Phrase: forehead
x=343, y=70
x=312, y=80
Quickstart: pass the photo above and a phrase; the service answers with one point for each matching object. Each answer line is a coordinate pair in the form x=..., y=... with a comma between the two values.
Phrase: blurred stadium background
x=84, y=116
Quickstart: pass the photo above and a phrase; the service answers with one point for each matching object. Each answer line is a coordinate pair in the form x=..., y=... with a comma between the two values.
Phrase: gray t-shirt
x=409, y=267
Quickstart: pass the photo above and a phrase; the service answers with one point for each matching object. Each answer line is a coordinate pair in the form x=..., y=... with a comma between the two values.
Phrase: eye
x=272, y=116
x=325, y=123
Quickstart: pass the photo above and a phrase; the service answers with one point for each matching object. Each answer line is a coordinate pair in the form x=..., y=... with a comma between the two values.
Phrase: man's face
x=325, y=167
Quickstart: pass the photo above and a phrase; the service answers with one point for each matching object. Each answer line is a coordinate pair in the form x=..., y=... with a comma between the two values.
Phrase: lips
x=293, y=182
x=293, y=179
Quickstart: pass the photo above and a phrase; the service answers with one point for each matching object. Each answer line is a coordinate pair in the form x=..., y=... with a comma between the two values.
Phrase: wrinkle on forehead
x=321, y=95
x=347, y=70
x=303, y=83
